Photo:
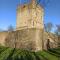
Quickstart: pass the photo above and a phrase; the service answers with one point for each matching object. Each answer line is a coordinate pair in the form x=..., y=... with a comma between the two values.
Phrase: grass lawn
x=17, y=54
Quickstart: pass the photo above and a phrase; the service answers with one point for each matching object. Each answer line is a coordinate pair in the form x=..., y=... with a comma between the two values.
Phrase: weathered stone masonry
x=29, y=34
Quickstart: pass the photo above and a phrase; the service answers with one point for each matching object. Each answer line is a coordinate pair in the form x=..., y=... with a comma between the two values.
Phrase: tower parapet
x=30, y=16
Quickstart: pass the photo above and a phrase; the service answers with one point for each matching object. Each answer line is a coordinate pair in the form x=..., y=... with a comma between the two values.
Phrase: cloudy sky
x=8, y=12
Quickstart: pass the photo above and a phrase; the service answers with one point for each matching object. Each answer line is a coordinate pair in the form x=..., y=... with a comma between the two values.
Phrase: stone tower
x=29, y=16
x=30, y=23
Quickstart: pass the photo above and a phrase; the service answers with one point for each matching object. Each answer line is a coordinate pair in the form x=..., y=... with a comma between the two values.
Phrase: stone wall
x=3, y=37
x=28, y=39
x=53, y=40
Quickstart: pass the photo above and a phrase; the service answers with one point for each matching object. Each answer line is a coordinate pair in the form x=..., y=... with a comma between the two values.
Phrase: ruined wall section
x=29, y=39
x=3, y=37
x=53, y=40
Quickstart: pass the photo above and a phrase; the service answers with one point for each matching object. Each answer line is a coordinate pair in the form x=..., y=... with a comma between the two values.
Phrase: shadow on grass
x=37, y=57
x=10, y=56
x=54, y=53
x=44, y=57
x=40, y=56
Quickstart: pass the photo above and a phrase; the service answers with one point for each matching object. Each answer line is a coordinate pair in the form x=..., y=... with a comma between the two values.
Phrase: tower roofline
x=23, y=5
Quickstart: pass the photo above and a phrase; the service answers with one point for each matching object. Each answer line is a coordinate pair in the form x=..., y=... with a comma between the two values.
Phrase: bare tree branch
x=57, y=31
x=10, y=28
x=48, y=27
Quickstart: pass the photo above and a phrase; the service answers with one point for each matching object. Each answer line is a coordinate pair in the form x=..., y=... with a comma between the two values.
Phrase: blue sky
x=8, y=12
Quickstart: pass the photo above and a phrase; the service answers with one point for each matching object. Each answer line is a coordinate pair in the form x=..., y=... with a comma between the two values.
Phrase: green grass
x=17, y=54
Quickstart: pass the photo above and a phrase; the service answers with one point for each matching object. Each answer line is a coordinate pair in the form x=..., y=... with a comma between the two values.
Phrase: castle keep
x=29, y=34
x=30, y=16
x=30, y=20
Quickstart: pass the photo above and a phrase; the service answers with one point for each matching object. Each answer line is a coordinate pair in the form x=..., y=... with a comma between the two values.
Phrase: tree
x=1, y=30
x=10, y=28
x=57, y=31
x=48, y=27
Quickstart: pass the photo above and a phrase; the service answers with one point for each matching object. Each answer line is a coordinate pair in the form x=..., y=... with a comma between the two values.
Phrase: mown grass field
x=17, y=54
